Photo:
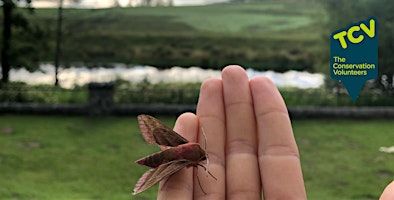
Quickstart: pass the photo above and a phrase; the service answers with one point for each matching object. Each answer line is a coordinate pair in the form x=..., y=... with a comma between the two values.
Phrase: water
x=111, y=3
x=70, y=77
x=197, y=2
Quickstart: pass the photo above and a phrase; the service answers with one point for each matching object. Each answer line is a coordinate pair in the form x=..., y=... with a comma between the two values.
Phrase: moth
x=177, y=154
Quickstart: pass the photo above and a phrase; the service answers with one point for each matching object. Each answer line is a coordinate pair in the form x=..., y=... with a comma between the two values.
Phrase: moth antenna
x=206, y=169
x=205, y=137
x=205, y=140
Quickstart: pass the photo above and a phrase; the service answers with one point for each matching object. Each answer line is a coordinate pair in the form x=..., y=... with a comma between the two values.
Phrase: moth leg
x=205, y=148
x=208, y=172
x=199, y=183
x=165, y=181
x=170, y=163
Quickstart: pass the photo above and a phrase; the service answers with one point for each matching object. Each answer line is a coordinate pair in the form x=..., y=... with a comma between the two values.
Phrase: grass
x=267, y=35
x=69, y=158
x=341, y=160
x=234, y=18
x=219, y=18
x=92, y=158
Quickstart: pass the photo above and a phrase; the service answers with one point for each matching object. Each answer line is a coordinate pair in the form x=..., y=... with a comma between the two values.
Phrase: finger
x=210, y=111
x=180, y=184
x=242, y=171
x=280, y=167
x=388, y=193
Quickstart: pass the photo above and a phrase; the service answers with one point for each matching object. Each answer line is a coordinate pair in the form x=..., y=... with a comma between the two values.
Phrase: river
x=70, y=77
x=91, y=4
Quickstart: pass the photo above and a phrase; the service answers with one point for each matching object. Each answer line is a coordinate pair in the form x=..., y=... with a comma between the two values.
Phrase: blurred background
x=70, y=68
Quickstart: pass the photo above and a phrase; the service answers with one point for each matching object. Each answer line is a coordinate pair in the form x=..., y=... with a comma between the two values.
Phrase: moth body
x=189, y=151
x=178, y=153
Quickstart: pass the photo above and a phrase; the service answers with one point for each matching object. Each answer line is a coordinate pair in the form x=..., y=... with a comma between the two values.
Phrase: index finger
x=279, y=161
x=180, y=184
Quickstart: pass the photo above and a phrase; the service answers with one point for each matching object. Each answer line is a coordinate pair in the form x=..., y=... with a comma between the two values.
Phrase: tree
x=9, y=19
x=8, y=7
x=343, y=13
x=58, y=40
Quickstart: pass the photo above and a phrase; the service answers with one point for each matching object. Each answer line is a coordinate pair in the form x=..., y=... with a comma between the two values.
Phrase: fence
x=103, y=99
x=42, y=94
x=80, y=95
x=180, y=95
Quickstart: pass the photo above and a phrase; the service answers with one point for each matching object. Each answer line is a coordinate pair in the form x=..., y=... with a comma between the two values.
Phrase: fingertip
x=388, y=193
x=233, y=71
x=187, y=116
x=262, y=81
x=187, y=126
x=266, y=96
x=210, y=101
x=211, y=84
x=232, y=67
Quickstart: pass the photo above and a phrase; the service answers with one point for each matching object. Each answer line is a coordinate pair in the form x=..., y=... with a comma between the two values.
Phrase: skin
x=388, y=192
x=250, y=143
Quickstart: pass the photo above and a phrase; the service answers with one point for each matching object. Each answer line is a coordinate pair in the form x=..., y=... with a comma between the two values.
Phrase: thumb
x=388, y=192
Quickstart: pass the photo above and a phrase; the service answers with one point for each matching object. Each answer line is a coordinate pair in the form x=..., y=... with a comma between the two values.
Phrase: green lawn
x=268, y=35
x=54, y=157
x=218, y=18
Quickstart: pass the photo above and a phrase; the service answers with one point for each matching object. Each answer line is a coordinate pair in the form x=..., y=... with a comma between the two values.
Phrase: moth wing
x=155, y=132
x=156, y=159
x=153, y=176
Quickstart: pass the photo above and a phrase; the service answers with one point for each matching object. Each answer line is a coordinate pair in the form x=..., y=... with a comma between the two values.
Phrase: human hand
x=388, y=193
x=250, y=143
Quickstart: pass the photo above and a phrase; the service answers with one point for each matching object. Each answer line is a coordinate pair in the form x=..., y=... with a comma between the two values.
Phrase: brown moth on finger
x=178, y=153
